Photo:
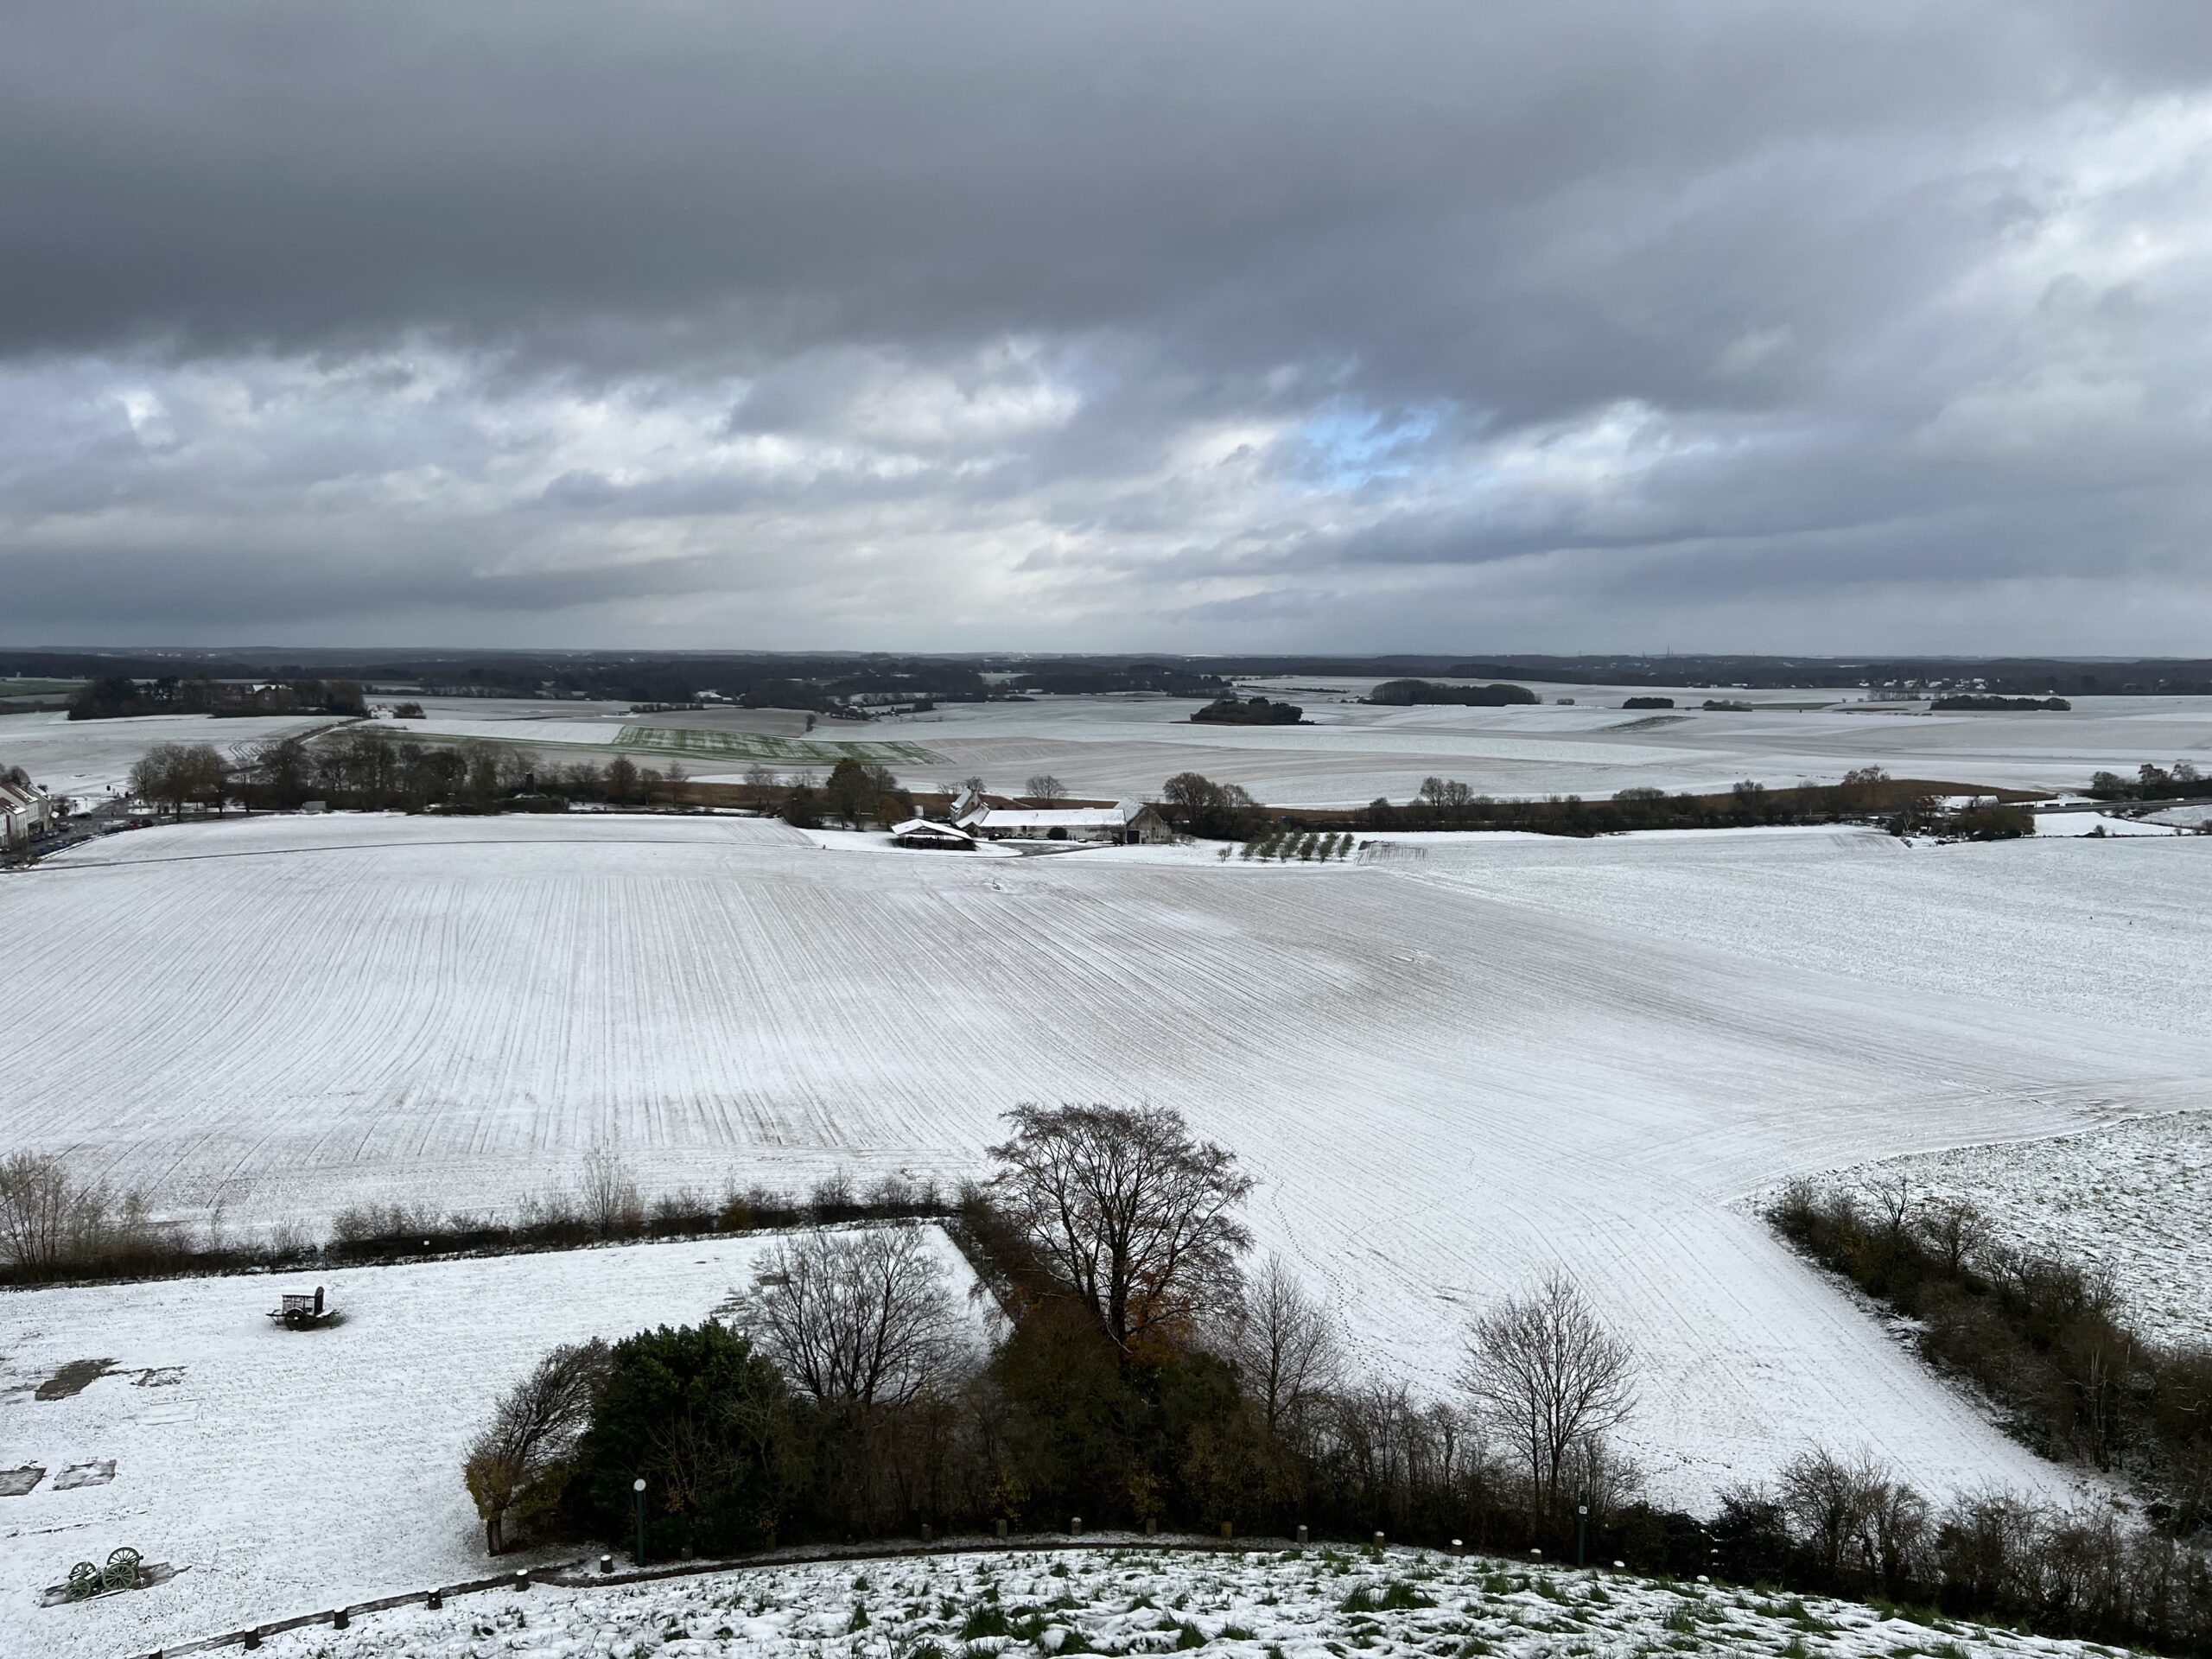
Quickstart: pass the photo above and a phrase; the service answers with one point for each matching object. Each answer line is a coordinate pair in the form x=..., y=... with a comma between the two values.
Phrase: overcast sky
x=1590, y=325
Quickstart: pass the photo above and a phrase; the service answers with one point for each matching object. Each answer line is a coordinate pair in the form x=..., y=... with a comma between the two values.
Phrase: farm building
x=1126, y=822
x=929, y=835
x=25, y=809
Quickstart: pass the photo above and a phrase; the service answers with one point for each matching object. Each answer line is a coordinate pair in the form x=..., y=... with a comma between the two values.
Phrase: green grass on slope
x=692, y=742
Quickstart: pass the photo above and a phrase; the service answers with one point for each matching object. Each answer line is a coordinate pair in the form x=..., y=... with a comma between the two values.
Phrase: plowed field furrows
x=1446, y=1079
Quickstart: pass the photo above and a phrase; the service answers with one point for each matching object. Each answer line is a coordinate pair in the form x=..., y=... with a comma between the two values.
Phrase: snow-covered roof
x=1116, y=817
x=930, y=827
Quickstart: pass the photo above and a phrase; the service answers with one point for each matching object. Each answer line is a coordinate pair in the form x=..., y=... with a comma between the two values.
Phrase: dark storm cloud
x=1267, y=319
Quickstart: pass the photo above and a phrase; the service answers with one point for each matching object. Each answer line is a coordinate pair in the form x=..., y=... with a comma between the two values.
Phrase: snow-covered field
x=1264, y=1604
x=2129, y=1198
x=1107, y=747
x=285, y=1471
x=2100, y=824
x=1448, y=1072
x=94, y=757
x=1110, y=747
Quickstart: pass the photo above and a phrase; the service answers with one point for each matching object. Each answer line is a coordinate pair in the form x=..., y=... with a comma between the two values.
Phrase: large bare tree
x=1550, y=1377
x=1046, y=791
x=862, y=1318
x=1285, y=1345
x=1128, y=1210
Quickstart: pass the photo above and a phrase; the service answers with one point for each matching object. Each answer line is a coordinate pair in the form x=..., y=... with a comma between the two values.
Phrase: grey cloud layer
x=1247, y=325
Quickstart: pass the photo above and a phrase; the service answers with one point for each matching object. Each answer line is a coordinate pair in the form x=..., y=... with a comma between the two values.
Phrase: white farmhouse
x=1125, y=824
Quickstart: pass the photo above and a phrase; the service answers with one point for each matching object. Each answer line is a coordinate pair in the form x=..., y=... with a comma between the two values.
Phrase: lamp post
x=638, y=1487
x=1581, y=1531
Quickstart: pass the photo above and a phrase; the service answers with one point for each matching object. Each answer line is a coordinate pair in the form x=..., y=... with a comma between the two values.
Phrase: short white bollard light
x=1075, y=1526
x=1301, y=1535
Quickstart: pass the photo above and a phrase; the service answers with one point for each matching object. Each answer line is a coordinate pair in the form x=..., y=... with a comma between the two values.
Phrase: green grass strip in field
x=693, y=743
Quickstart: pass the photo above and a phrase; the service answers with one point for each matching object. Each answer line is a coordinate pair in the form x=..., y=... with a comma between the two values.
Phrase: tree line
x=115, y=696
x=2151, y=783
x=56, y=1227
x=2046, y=1340
x=365, y=768
x=1141, y=1368
x=1198, y=806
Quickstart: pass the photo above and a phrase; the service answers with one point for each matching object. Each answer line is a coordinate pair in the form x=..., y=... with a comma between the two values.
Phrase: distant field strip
x=690, y=741
x=37, y=688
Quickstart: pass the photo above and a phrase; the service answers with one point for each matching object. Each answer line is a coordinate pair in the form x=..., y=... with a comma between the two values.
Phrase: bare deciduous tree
x=1046, y=791
x=1893, y=1201
x=760, y=786
x=1550, y=1377
x=609, y=1193
x=1127, y=1210
x=50, y=1223
x=41, y=1211
x=1955, y=1230
x=532, y=1430
x=855, y=1319
x=1285, y=1345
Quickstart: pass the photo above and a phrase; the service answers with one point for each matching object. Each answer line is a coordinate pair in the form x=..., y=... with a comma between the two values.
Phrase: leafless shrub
x=512, y=1464
x=1956, y=1231
x=551, y=1212
x=831, y=1198
x=290, y=1239
x=1550, y=1377
x=1857, y=1522
x=608, y=1193
x=365, y=1224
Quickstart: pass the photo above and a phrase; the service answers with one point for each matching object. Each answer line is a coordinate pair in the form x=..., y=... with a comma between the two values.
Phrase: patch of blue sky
x=1348, y=446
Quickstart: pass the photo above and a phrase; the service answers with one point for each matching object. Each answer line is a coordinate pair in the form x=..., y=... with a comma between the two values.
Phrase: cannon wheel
x=122, y=1570
x=84, y=1581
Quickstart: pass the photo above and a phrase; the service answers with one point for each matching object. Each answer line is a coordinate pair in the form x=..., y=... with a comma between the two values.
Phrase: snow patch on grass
x=1287, y=1604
